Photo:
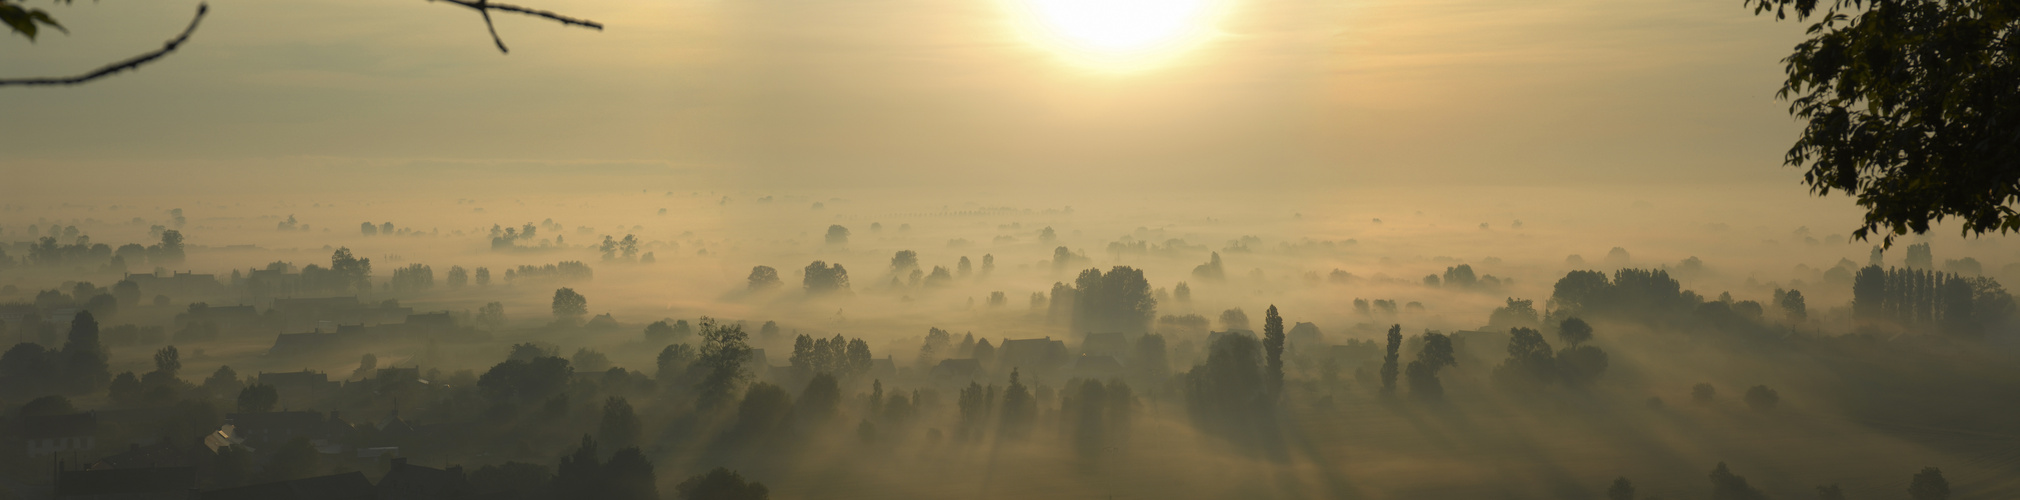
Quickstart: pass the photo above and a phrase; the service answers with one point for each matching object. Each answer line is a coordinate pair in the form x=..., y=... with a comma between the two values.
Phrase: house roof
x=303, y=377
x=1104, y=343
x=1097, y=364
x=59, y=426
x=346, y=486
x=132, y=481
x=157, y=455
x=965, y=367
x=408, y=481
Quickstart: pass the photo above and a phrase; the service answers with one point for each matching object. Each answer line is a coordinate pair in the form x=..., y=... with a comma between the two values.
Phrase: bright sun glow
x=1119, y=35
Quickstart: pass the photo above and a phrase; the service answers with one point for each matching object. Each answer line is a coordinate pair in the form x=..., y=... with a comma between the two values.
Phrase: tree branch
x=486, y=6
x=130, y=63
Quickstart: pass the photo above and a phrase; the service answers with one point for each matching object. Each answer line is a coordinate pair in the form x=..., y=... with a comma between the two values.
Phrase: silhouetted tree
x=295, y=459
x=125, y=390
x=1517, y=313
x=1929, y=485
x=483, y=277
x=1574, y=331
x=763, y=409
x=904, y=261
x=1622, y=489
x=721, y=484
x=764, y=278
x=169, y=251
x=933, y=348
x=1150, y=359
x=629, y=476
x=1234, y=320
x=838, y=235
x=1423, y=373
x=1118, y=301
x=1831, y=492
x=84, y=358
x=659, y=332
x=1727, y=486
x=223, y=382
x=580, y=474
x=1702, y=393
x=673, y=362
x=1390, y=360
x=1530, y=360
x=47, y=406
x=620, y=426
x=1019, y=409
x=1762, y=399
x=820, y=401
x=724, y=351
x=1273, y=352
x=1792, y=305
x=1461, y=276
x=822, y=278
x=1581, y=365
x=457, y=277
x=491, y=315
x=29, y=369
x=569, y=306
x=1228, y=394
x=232, y=467
x=526, y=381
x=258, y=398
x=348, y=271
x=1211, y=271
x=973, y=406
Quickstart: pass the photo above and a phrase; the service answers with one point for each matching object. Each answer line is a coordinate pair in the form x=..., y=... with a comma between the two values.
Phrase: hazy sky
x=920, y=92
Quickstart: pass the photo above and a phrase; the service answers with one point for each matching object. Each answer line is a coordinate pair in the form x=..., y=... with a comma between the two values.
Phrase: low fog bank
x=891, y=343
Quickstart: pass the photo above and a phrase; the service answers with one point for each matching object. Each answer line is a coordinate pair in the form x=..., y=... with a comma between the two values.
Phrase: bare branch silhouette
x=486, y=6
x=488, y=26
x=130, y=63
x=483, y=7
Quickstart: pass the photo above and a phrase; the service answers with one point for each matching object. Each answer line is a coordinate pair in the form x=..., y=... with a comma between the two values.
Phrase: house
x=314, y=342
x=883, y=368
x=957, y=370
x=1104, y=344
x=1096, y=367
x=346, y=486
x=430, y=322
x=46, y=435
x=301, y=386
x=413, y=482
x=155, y=455
x=137, y=483
x=303, y=314
x=177, y=284
x=1031, y=354
x=1356, y=352
x=1306, y=334
x=276, y=427
x=1212, y=337
x=225, y=436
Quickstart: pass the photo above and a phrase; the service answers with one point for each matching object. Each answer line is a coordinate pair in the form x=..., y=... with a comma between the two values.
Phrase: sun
x=1118, y=35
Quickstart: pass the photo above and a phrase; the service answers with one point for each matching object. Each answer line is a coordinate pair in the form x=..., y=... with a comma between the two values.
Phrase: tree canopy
x=1910, y=109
